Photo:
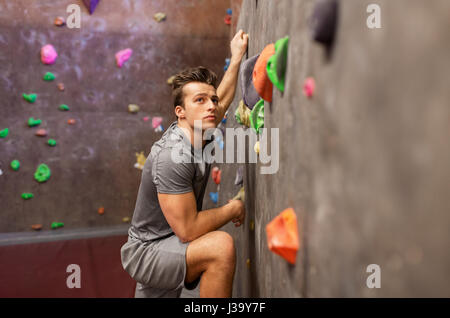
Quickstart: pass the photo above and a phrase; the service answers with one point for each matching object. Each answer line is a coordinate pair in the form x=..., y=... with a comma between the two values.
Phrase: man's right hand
x=238, y=210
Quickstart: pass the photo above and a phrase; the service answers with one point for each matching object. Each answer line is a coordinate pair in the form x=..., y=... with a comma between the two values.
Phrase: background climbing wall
x=364, y=163
x=93, y=162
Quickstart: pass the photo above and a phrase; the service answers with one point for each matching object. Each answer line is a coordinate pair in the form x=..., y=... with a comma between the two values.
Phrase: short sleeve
x=172, y=177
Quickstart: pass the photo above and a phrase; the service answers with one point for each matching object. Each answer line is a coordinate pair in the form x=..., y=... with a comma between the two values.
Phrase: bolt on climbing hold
x=34, y=122
x=140, y=158
x=239, y=176
x=249, y=93
x=48, y=54
x=282, y=235
x=1, y=172
x=257, y=117
x=52, y=142
x=170, y=80
x=229, y=11
x=160, y=128
x=242, y=114
x=214, y=196
x=156, y=121
x=31, y=98
x=256, y=147
x=240, y=195
x=227, y=64
x=36, y=227
x=133, y=108
x=4, y=133
x=276, y=65
x=252, y=225
x=146, y=118
x=101, y=210
x=91, y=5
x=216, y=174
x=27, y=196
x=15, y=165
x=262, y=84
x=71, y=121
x=56, y=225
x=322, y=23
x=160, y=16
x=59, y=21
x=309, y=87
x=42, y=173
x=60, y=86
x=227, y=19
x=248, y=263
x=123, y=56
x=126, y=219
x=49, y=76
x=63, y=107
x=41, y=133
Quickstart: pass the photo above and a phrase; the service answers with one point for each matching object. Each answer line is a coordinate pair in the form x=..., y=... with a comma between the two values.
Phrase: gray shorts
x=158, y=267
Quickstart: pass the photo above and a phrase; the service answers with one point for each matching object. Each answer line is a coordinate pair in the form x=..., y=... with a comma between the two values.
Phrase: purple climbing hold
x=91, y=5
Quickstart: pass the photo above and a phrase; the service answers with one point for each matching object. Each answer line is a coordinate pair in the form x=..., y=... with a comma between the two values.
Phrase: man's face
x=200, y=103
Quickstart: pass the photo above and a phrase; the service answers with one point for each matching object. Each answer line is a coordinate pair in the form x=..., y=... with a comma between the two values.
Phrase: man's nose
x=211, y=105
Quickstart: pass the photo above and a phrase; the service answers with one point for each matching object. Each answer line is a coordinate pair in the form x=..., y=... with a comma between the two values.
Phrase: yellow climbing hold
x=256, y=148
x=170, y=80
x=126, y=219
x=242, y=114
x=248, y=263
x=240, y=195
x=159, y=16
x=252, y=225
x=140, y=158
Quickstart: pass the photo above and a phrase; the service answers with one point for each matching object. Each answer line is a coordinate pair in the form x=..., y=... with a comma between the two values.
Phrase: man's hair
x=195, y=74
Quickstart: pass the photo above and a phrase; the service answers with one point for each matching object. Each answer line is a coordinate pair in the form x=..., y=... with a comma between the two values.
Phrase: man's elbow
x=184, y=236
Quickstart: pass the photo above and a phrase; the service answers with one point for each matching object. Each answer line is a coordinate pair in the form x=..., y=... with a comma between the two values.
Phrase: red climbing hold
x=227, y=19
x=309, y=87
x=216, y=174
x=282, y=235
x=41, y=133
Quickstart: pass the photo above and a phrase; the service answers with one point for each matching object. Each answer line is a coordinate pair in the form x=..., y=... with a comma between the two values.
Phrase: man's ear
x=180, y=112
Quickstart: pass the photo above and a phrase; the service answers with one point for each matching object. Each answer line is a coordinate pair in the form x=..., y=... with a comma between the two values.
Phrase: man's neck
x=189, y=132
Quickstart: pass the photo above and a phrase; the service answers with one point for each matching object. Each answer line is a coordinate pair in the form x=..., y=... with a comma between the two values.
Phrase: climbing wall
x=92, y=165
x=364, y=162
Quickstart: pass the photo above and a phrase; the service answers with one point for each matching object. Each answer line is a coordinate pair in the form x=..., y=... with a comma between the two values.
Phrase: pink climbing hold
x=146, y=118
x=156, y=121
x=309, y=87
x=48, y=54
x=123, y=56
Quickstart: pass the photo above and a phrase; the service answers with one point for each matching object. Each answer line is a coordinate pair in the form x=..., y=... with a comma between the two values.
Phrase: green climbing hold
x=63, y=107
x=56, y=225
x=52, y=142
x=15, y=165
x=34, y=122
x=42, y=173
x=4, y=133
x=49, y=76
x=27, y=196
x=31, y=98
x=276, y=65
x=257, y=116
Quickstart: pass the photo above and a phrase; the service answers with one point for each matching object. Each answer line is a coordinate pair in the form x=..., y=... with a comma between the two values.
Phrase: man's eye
x=200, y=100
x=216, y=101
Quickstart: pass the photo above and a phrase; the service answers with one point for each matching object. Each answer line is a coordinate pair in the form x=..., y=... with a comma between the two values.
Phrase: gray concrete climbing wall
x=364, y=163
x=93, y=162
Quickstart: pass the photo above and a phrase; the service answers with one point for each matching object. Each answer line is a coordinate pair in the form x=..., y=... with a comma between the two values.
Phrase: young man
x=172, y=243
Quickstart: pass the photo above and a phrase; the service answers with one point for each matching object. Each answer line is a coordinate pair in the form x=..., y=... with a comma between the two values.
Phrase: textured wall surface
x=364, y=163
x=93, y=162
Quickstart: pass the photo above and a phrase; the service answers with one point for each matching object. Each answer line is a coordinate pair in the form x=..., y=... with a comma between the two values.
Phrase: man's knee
x=225, y=252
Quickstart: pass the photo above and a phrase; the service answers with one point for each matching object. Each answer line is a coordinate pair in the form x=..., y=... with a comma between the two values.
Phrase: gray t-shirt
x=161, y=174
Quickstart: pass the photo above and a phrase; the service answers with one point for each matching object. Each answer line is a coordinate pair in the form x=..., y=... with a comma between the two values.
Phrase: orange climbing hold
x=101, y=210
x=282, y=235
x=71, y=121
x=261, y=81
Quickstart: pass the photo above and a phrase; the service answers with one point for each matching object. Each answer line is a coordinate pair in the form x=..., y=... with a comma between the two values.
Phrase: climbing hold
x=249, y=93
x=224, y=119
x=56, y=225
x=159, y=16
x=49, y=76
x=229, y=11
x=170, y=80
x=36, y=227
x=252, y=225
x=15, y=165
x=126, y=219
x=214, y=196
x=227, y=19
x=227, y=64
x=59, y=21
x=239, y=176
x=52, y=142
x=27, y=196
x=242, y=114
x=48, y=54
x=322, y=24
x=71, y=121
x=140, y=160
x=248, y=263
x=42, y=173
x=156, y=121
x=282, y=235
x=276, y=65
x=63, y=107
x=309, y=87
x=41, y=133
x=60, y=86
x=216, y=175
x=262, y=84
x=91, y=5
x=146, y=118
x=160, y=128
x=1, y=172
x=4, y=133
x=123, y=56
x=34, y=122
x=31, y=98
x=257, y=116
x=240, y=195
x=132, y=108
x=256, y=147
x=101, y=210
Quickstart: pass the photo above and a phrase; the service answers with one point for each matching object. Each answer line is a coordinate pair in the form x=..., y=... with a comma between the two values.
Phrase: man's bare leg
x=213, y=256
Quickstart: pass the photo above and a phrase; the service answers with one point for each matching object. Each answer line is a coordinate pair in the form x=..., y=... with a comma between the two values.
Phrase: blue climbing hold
x=227, y=64
x=214, y=196
x=229, y=11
